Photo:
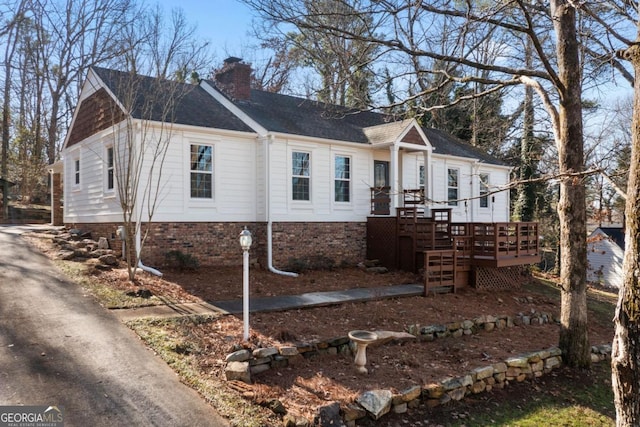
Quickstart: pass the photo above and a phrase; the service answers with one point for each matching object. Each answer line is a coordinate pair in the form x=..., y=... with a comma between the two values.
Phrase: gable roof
x=444, y=143
x=275, y=112
x=388, y=132
x=616, y=234
x=298, y=116
x=193, y=105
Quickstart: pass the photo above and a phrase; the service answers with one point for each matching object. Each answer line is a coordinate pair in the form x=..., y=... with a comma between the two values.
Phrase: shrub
x=316, y=262
x=181, y=261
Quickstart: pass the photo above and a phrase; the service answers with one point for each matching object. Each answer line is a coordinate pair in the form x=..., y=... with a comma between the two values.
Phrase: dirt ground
x=397, y=366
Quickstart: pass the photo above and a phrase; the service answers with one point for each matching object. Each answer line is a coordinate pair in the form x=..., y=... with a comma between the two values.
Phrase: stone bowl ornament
x=362, y=339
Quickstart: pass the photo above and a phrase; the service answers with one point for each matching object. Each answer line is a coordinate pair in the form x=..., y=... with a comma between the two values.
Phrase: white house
x=605, y=253
x=303, y=176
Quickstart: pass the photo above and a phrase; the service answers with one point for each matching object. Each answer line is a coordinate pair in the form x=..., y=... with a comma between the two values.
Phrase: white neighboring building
x=605, y=252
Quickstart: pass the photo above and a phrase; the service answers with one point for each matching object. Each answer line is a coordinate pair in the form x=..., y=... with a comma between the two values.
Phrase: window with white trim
x=110, y=168
x=201, y=165
x=421, y=176
x=76, y=171
x=484, y=190
x=452, y=186
x=342, y=182
x=300, y=176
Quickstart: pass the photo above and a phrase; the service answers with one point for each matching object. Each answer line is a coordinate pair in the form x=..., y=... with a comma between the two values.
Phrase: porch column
x=395, y=180
x=427, y=188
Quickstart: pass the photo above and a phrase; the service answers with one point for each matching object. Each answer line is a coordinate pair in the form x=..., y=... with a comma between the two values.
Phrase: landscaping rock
x=238, y=371
x=275, y=405
x=265, y=352
x=109, y=259
x=328, y=416
x=103, y=243
x=353, y=412
x=291, y=420
x=238, y=356
x=376, y=402
x=386, y=336
x=289, y=351
x=66, y=255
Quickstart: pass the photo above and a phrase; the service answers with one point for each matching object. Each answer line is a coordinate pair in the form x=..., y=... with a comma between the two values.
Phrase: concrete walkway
x=59, y=347
x=277, y=303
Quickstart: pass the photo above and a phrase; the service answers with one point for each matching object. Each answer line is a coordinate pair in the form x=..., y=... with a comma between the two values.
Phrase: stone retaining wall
x=241, y=365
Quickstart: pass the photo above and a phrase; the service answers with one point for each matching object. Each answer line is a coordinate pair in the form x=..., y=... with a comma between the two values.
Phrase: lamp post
x=245, y=244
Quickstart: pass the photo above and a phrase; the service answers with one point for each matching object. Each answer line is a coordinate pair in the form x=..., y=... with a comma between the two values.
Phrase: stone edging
x=241, y=365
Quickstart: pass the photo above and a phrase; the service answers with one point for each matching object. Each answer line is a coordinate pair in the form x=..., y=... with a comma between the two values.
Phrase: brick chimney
x=234, y=78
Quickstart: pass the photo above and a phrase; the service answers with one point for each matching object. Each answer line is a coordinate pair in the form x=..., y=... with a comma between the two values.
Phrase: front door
x=380, y=173
x=381, y=198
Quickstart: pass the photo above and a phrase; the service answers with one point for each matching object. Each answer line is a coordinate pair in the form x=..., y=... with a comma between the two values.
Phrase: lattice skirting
x=501, y=278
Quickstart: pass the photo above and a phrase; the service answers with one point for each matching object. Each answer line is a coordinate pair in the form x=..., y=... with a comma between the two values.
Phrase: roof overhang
x=406, y=134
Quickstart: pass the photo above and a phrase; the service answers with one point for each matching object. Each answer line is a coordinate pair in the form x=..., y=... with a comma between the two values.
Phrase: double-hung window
x=110, y=168
x=421, y=176
x=452, y=186
x=484, y=190
x=76, y=171
x=342, y=179
x=201, y=165
x=300, y=176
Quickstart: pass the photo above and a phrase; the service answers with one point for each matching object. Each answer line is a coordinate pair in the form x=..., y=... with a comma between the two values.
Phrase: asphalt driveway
x=59, y=347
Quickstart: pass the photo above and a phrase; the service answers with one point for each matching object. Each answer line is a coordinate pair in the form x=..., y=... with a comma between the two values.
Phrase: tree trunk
x=625, y=357
x=574, y=341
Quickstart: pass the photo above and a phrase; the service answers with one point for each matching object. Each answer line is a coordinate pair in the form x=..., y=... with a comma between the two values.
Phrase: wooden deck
x=412, y=242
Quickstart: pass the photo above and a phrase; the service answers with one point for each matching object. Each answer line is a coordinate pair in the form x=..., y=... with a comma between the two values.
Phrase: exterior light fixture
x=245, y=239
x=245, y=244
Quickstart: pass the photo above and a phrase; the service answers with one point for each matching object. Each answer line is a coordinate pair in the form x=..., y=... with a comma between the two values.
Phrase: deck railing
x=380, y=201
x=505, y=239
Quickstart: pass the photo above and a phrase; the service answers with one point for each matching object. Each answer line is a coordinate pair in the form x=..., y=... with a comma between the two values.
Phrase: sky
x=225, y=23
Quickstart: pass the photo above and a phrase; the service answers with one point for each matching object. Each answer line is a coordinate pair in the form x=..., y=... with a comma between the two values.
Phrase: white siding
x=604, y=259
x=235, y=178
x=322, y=206
x=89, y=201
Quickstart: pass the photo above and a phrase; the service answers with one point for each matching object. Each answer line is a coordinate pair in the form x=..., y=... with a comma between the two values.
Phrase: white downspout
x=141, y=266
x=267, y=181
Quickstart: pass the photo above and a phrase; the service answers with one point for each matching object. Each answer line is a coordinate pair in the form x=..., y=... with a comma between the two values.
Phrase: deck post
x=395, y=179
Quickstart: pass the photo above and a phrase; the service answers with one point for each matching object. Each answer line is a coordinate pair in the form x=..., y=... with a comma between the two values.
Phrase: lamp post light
x=245, y=244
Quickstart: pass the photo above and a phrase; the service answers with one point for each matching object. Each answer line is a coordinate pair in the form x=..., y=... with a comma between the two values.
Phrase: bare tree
x=163, y=47
x=143, y=119
x=11, y=31
x=74, y=35
x=410, y=30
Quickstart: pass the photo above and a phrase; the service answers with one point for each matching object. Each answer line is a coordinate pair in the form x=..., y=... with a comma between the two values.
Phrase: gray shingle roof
x=275, y=112
x=443, y=143
x=193, y=105
x=616, y=234
x=297, y=116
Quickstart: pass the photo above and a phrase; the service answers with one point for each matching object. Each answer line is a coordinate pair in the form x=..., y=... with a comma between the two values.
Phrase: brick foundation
x=216, y=244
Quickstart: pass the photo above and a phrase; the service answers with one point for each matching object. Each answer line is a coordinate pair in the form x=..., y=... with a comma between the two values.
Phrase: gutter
x=267, y=181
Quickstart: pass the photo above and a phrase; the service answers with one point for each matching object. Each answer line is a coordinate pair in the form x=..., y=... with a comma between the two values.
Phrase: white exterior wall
x=606, y=257
x=240, y=184
x=89, y=201
x=469, y=187
x=235, y=176
x=321, y=207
